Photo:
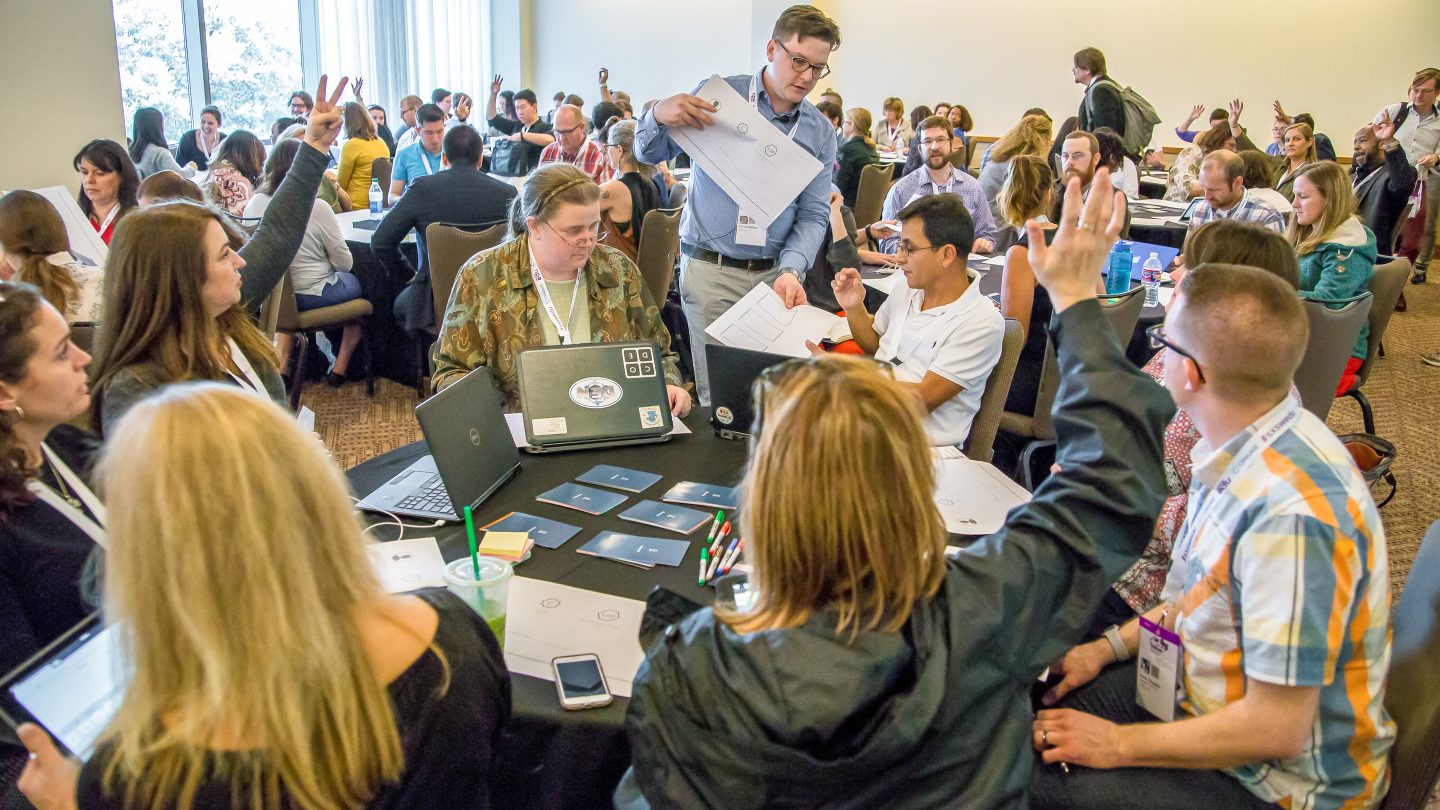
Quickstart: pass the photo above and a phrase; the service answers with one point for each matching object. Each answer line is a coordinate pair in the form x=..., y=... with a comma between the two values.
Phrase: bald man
x=571, y=146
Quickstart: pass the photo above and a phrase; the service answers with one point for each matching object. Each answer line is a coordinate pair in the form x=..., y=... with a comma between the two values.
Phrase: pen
x=733, y=557
x=704, y=564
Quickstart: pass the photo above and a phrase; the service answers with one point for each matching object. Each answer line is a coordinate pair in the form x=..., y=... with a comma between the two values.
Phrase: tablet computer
x=71, y=688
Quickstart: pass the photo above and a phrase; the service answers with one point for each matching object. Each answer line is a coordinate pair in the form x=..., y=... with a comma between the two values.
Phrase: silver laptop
x=471, y=454
x=593, y=395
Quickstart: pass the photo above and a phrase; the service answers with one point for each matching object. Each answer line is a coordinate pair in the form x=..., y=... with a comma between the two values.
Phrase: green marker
x=474, y=549
x=704, y=564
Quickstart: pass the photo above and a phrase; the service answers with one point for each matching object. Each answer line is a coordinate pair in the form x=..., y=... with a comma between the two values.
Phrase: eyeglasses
x=580, y=233
x=1158, y=340
x=905, y=248
x=803, y=65
x=934, y=141
x=566, y=132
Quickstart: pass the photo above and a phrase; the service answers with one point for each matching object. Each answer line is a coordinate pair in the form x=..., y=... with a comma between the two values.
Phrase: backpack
x=1140, y=119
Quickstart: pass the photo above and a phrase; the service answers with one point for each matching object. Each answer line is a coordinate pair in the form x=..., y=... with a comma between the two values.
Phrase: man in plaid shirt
x=1222, y=175
x=571, y=146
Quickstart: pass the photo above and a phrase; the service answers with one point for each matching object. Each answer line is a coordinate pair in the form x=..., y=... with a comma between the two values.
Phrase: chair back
x=381, y=169
x=1411, y=696
x=678, y=195
x=659, y=246
x=1332, y=338
x=870, y=194
x=975, y=146
x=447, y=249
x=82, y=334
x=280, y=312
x=1124, y=312
x=1038, y=424
x=980, y=444
x=1386, y=286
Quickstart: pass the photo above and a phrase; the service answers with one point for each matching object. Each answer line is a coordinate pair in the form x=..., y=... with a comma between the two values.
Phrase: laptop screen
x=75, y=689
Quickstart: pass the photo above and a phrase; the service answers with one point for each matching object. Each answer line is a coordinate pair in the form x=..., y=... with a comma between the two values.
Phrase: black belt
x=753, y=265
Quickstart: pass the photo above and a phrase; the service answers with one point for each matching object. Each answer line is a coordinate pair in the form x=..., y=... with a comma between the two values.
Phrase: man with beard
x=1382, y=178
x=1080, y=157
x=1222, y=178
x=939, y=177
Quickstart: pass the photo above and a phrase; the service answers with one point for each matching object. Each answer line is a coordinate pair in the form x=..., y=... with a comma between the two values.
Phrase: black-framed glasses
x=803, y=65
x=563, y=132
x=1158, y=340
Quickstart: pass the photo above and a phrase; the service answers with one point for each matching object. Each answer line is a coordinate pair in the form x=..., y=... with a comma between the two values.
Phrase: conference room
x=532, y=403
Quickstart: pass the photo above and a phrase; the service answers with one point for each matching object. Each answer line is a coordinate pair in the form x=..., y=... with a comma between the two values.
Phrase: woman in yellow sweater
x=362, y=148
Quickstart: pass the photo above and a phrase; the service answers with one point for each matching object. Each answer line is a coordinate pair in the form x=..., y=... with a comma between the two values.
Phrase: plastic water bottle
x=1150, y=277
x=377, y=205
x=1117, y=279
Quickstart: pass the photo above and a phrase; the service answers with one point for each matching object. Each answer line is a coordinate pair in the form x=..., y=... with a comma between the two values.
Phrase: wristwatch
x=1117, y=644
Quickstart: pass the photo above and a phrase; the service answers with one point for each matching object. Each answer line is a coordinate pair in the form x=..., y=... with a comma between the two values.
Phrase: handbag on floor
x=1373, y=455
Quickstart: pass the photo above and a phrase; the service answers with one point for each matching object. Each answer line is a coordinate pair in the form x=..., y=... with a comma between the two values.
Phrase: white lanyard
x=561, y=329
x=109, y=218
x=949, y=184
x=425, y=160
x=894, y=132
x=252, y=380
x=1196, y=517
x=77, y=516
x=755, y=102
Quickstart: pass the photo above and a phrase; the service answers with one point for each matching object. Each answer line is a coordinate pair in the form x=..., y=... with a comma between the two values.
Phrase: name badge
x=1158, y=669
x=749, y=231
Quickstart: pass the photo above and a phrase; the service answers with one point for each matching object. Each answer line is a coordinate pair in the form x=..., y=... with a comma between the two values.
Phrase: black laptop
x=593, y=395
x=732, y=374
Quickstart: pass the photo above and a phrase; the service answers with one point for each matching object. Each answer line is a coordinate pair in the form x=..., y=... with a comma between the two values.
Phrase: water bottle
x=1150, y=277
x=1117, y=280
x=377, y=205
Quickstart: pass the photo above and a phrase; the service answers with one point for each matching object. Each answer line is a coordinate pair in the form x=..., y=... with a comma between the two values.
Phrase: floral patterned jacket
x=494, y=313
x=229, y=189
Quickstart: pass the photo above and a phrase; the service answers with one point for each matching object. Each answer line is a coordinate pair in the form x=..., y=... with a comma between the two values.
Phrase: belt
x=753, y=265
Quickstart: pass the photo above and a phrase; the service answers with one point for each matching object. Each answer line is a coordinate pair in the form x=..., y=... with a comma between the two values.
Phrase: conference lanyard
x=425, y=160
x=561, y=329
x=109, y=218
x=85, y=522
x=252, y=380
x=894, y=133
x=1197, y=517
x=755, y=102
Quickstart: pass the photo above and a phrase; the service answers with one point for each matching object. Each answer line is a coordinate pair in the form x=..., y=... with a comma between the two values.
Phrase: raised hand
x=462, y=106
x=685, y=110
x=604, y=76
x=849, y=289
x=1195, y=113
x=1069, y=268
x=1384, y=129
x=1236, y=106
x=355, y=88
x=1280, y=113
x=324, y=125
x=497, y=83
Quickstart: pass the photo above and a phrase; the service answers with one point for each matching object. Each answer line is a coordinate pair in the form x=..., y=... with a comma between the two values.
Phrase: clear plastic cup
x=489, y=595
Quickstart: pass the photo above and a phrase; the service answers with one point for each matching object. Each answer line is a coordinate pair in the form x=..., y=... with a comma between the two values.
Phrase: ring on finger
x=1085, y=226
x=1044, y=737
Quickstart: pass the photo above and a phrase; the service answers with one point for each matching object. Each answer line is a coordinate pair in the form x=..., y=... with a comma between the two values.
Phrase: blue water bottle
x=1117, y=279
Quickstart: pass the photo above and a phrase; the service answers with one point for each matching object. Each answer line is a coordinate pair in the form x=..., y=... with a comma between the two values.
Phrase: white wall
x=61, y=87
x=998, y=59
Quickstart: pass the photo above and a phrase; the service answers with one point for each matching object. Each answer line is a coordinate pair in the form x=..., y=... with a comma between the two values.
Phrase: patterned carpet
x=1404, y=392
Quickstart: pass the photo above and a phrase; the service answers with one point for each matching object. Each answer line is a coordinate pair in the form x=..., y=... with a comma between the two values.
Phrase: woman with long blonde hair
x=1337, y=252
x=868, y=670
x=268, y=667
x=1297, y=151
x=362, y=148
x=1031, y=136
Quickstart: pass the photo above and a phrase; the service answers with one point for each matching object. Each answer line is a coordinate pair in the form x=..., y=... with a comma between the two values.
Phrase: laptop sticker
x=554, y=426
x=596, y=392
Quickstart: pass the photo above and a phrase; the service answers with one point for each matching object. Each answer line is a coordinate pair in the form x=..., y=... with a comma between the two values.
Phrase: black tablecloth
x=1171, y=234
x=554, y=758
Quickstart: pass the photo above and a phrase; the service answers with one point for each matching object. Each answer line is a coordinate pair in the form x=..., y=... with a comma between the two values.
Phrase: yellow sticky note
x=506, y=544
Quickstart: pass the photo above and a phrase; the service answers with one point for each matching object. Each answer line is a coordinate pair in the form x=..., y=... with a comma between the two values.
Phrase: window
x=253, y=51
x=150, y=35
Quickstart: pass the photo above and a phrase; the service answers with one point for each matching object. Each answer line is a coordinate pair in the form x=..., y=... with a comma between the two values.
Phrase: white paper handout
x=756, y=164
x=547, y=620
x=516, y=423
x=85, y=243
x=405, y=565
x=974, y=497
x=760, y=322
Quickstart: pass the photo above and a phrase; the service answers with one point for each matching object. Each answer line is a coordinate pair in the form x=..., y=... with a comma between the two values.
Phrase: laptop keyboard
x=431, y=497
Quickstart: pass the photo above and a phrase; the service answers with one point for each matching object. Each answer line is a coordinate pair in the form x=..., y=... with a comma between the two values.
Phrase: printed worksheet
x=760, y=322
x=546, y=620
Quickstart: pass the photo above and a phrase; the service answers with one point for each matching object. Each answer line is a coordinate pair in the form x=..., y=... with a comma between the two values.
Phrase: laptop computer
x=471, y=454
x=1190, y=209
x=72, y=688
x=1140, y=251
x=732, y=375
x=593, y=395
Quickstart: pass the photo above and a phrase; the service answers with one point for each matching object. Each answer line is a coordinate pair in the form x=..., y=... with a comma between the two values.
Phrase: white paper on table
x=516, y=423
x=546, y=620
x=973, y=496
x=760, y=322
x=1173, y=205
x=1152, y=222
x=404, y=565
x=995, y=261
x=85, y=242
x=755, y=163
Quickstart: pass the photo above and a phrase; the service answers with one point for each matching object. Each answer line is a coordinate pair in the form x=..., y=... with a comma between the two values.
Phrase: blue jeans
x=343, y=287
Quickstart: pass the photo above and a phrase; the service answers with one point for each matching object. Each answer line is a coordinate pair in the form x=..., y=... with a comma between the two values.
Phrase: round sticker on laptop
x=596, y=392
x=723, y=415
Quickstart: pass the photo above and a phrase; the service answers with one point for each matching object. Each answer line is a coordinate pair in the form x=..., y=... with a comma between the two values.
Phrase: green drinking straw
x=470, y=535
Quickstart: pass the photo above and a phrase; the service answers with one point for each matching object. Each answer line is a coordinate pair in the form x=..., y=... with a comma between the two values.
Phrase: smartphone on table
x=580, y=682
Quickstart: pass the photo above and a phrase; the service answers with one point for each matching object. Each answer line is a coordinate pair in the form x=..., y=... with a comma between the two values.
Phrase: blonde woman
x=1337, y=252
x=352, y=698
x=1031, y=136
x=1297, y=151
x=893, y=133
x=362, y=148
x=857, y=152
x=870, y=670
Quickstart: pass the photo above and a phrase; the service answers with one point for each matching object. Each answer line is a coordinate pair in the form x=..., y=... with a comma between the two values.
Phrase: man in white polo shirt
x=941, y=335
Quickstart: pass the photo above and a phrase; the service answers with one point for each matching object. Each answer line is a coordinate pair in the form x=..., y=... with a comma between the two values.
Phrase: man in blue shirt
x=722, y=261
x=422, y=158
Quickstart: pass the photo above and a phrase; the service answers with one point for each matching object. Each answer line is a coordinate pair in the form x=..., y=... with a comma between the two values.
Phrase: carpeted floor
x=1404, y=392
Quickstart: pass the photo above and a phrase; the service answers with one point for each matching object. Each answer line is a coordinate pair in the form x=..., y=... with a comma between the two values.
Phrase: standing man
x=940, y=177
x=422, y=157
x=1102, y=105
x=407, y=133
x=528, y=136
x=1417, y=128
x=722, y=261
x=571, y=146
